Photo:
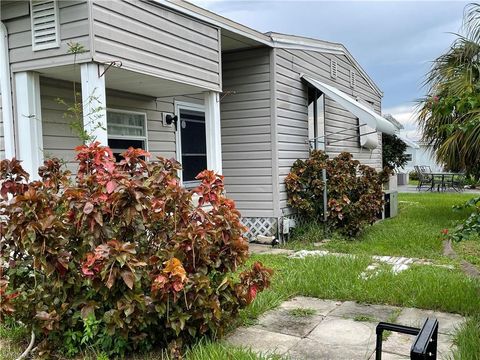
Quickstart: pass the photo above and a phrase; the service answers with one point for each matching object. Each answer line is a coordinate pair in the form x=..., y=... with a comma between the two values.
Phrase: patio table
x=443, y=176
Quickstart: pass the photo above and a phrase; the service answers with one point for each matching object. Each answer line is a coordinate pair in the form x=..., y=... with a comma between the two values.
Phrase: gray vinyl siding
x=59, y=139
x=291, y=102
x=74, y=27
x=246, y=131
x=150, y=39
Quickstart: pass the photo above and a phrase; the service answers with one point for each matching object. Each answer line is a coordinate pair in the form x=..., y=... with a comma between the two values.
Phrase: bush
x=393, y=152
x=470, y=227
x=355, y=195
x=120, y=258
x=413, y=175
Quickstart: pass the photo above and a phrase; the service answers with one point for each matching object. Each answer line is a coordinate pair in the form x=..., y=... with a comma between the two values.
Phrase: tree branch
x=29, y=348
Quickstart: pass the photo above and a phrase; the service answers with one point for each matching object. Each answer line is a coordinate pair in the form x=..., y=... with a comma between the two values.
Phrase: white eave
x=272, y=39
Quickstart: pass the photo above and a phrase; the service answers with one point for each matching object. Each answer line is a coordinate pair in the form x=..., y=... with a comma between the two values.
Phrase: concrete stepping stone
x=282, y=321
x=333, y=332
x=262, y=341
x=400, y=344
x=268, y=249
x=375, y=313
x=447, y=323
x=311, y=349
x=388, y=356
x=322, y=307
x=348, y=333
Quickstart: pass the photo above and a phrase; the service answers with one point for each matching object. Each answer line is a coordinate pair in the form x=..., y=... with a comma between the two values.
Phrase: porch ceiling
x=232, y=41
x=128, y=81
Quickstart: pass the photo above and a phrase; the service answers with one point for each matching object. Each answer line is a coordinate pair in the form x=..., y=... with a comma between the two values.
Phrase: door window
x=193, y=143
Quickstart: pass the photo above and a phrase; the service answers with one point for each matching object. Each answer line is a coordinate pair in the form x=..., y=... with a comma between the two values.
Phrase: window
x=126, y=129
x=316, y=119
x=333, y=69
x=192, y=142
x=45, y=24
x=408, y=157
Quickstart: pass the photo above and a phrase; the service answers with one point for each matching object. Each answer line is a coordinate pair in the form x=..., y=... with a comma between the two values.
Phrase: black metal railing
x=425, y=344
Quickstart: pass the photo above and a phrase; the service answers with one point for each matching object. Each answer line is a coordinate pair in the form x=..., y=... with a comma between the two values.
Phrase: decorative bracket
x=226, y=93
x=115, y=63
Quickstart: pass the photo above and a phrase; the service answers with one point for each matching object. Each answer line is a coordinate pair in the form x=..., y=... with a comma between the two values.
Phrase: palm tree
x=449, y=115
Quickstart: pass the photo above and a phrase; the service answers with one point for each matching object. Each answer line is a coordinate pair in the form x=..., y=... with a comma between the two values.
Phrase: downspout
x=6, y=92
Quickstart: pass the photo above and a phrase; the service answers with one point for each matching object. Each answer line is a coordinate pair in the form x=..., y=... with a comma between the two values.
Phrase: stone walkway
x=308, y=328
x=396, y=263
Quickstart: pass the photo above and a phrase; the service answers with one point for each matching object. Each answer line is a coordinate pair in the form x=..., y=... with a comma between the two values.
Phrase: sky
x=394, y=41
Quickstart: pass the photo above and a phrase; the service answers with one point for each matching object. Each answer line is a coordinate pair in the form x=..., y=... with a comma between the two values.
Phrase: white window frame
x=183, y=105
x=51, y=45
x=129, y=137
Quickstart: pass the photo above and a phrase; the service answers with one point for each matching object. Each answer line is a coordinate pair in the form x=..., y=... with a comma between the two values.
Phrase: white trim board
x=178, y=138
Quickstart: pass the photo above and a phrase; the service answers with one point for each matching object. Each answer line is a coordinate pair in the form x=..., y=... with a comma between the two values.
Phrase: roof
x=271, y=39
x=394, y=121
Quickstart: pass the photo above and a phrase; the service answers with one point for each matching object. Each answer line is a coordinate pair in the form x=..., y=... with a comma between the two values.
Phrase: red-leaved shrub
x=119, y=257
x=355, y=195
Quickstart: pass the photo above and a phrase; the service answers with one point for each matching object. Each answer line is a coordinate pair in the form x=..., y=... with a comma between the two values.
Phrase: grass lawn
x=415, y=232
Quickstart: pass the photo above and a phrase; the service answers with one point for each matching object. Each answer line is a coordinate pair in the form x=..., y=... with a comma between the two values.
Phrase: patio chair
x=424, y=177
x=458, y=182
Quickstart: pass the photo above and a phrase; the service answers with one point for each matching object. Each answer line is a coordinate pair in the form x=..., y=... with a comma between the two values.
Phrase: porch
x=121, y=108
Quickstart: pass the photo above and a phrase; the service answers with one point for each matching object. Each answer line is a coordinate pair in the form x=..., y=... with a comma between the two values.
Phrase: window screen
x=193, y=143
x=125, y=129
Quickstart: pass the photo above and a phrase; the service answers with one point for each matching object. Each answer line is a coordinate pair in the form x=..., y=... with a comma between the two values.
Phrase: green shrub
x=393, y=152
x=413, y=175
x=470, y=227
x=355, y=195
x=119, y=258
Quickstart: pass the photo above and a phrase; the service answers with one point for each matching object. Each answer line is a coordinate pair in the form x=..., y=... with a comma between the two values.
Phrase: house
x=183, y=82
x=421, y=154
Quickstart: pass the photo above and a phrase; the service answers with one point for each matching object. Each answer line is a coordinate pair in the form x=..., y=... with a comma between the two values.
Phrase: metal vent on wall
x=353, y=79
x=333, y=69
x=44, y=16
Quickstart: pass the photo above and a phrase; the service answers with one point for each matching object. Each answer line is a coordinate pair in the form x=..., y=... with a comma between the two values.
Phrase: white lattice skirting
x=260, y=226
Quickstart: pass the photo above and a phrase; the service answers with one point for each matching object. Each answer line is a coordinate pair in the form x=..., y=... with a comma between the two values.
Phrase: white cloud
x=406, y=115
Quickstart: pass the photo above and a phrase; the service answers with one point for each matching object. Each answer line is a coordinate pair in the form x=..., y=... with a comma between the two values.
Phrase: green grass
x=415, y=232
x=469, y=250
x=302, y=312
x=365, y=318
x=336, y=278
x=467, y=340
x=208, y=350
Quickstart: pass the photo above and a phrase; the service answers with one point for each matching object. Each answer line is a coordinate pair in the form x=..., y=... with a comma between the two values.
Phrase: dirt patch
x=469, y=269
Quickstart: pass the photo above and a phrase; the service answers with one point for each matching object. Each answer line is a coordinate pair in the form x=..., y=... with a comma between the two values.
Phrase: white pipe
x=6, y=92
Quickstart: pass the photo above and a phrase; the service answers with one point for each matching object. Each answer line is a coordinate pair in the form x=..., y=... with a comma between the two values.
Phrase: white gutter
x=220, y=22
x=6, y=92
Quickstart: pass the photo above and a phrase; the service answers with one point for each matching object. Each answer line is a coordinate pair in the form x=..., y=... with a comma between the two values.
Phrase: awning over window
x=364, y=114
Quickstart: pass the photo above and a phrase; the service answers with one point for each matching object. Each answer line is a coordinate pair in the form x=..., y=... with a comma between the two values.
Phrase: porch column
x=94, y=102
x=29, y=121
x=213, y=130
